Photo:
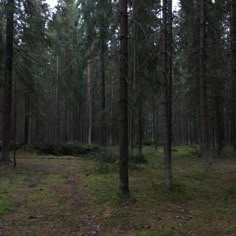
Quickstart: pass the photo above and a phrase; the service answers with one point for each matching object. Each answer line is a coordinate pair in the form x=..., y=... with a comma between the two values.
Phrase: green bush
x=106, y=156
x=71, y=149
x=148, y=143
x=79, y=149
x=138, y=159
x=196, y=150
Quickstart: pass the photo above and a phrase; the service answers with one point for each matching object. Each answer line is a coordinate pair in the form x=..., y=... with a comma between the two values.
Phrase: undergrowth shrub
x=148, y=143
x=79, y=149
x=71, y=149
x=138, y=159
x=105, y=156
x=196, y=151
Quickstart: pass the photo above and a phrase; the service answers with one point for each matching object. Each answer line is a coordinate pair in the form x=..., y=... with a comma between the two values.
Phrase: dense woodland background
x=60, y=71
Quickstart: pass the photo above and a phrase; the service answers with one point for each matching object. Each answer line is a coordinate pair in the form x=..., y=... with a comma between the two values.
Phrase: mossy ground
x=47, y=196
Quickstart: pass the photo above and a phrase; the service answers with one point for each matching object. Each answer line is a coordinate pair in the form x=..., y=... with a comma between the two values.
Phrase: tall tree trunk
x=167, y=70
x=132, y=83
x=203, y=86
x=89, y=100
x=15, y=120
x=137, y=5
x=218, y=85
x=102, y=71
x=233, y=87
x=7, y=99
x=58, y=133
x=124, y=144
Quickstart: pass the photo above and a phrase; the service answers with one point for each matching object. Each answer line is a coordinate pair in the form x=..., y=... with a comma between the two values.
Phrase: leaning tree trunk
x=124, y=144
x=7, y=100
x=203, y=86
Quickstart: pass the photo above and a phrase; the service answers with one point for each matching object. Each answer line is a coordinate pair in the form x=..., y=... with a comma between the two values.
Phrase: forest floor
x=49, y=196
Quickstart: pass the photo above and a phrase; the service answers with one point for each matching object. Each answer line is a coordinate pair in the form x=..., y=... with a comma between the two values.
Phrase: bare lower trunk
x=154, y=125
x=140, y=129
x=89, y=100
x=27, y=120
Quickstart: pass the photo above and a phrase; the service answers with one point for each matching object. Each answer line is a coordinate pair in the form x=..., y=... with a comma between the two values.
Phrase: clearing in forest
x=48, y=195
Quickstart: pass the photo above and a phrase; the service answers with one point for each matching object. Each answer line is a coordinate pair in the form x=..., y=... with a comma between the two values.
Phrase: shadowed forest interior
x=118, y=116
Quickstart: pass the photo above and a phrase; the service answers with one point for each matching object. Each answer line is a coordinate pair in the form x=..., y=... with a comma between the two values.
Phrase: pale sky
x=53, y=3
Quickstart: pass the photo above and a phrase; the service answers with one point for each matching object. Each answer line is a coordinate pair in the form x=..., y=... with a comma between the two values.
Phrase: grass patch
x=198, y=204
x=193, y=191
x=7, y=202
x=100, y=187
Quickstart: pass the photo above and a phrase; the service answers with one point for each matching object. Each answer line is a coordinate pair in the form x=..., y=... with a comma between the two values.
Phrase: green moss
x=101, y=187
x=7, y=202
x=47, y=184
x=6, y=205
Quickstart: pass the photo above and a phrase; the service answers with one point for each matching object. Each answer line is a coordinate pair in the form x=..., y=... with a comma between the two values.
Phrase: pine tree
x=233, y=90
x=7, y=100
x=124, y=144
x=167, y=75
x=203, y=86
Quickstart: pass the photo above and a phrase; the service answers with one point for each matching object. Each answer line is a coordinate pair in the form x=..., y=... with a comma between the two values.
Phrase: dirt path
x=48, y=200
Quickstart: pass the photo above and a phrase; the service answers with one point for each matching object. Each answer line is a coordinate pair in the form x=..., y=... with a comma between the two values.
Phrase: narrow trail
x=48, y=201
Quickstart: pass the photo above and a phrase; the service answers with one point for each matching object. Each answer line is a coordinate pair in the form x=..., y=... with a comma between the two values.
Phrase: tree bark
x=7, y=100
x=2, y=49
x=27, y=124
x=124, y=144
x=58, y=133
x=133, y=81
x=89, y=100
x=139, y=38
x=233, y=87
x=203, y=86
x=102, y=71
x=154, y=123
x=167, y=74
x=140, y=127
